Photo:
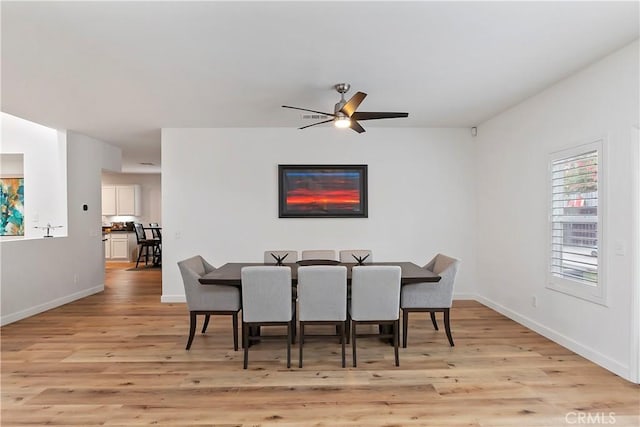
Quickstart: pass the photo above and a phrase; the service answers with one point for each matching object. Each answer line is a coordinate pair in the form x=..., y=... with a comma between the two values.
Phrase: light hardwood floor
x=118, y=358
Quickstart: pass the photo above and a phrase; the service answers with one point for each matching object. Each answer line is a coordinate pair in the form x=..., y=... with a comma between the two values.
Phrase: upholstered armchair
x=208, y=300
x=319, y=254
x=431, y=297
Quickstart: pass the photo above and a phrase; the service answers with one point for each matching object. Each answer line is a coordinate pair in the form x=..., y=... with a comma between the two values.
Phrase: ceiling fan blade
x=370, y=115
x=356, y=126
x=314, y=124
x=352, y=104
x=311, y=111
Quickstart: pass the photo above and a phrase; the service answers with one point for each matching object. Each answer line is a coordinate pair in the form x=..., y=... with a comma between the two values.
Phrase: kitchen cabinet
x=109, y=200
x=120, y=246
x=121, y=200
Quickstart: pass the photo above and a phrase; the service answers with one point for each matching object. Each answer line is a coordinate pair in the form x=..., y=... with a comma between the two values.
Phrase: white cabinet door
x=120, y=247
x=129, y=200
x=121, y=200
x=109, y=200
x=126, y=197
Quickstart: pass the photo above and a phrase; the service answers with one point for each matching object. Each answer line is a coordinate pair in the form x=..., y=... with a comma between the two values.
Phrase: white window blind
x=575, y=218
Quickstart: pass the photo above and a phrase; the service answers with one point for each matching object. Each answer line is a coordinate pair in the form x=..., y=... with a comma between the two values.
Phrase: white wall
x=512, y=156
x=45, y=179
x=151, y=194
x=40, y=274
x=220, y=191
x=11, y=165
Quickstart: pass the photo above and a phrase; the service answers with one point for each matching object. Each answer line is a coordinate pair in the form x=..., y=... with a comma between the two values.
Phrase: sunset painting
x=323, y=191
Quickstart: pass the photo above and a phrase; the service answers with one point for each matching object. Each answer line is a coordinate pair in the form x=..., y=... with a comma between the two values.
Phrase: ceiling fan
x=345, y=114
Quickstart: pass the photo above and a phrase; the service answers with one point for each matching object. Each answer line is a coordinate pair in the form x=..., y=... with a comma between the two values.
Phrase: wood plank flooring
x=117, y=359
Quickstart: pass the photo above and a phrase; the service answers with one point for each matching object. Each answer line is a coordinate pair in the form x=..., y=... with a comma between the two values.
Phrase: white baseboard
x=584, y=351
x=464, y=296
x=173, y=298
x=31, y=311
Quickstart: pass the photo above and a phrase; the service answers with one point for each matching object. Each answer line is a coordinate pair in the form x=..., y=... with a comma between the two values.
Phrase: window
x=576, y=194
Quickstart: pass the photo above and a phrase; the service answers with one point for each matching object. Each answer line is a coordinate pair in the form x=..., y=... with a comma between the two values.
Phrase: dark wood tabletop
x=229, y=274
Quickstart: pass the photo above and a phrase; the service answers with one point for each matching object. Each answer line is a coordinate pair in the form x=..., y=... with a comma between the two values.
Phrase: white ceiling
x=120, y=71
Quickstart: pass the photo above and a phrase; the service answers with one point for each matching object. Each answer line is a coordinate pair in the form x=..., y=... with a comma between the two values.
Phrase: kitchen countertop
x=111, y=230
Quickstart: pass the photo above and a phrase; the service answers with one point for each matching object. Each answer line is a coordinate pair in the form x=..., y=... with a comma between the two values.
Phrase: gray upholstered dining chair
x=375, y=299
x=270, y=257
x=266, y=301
x=207, y=300
x=431, y=297
x=352, y=255
x=319, y=254
x=322, y=300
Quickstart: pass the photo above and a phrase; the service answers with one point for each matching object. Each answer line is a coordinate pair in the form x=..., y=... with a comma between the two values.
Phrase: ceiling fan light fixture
x=345, y=110
x=342, y=122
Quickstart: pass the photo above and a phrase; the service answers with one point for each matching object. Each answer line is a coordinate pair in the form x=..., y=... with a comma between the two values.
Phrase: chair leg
x=157, y=253
x=301, y=342
x=353, y=342
x=206, y=323
x=433, y=320
x=139, y=255
x=192, y=328
x=396, y=339
x=447, y=326
x=289, y=330
x=294, y=331
x=342, y=340
x=405, y=327
x=348, y=332
x=234, y=319
x=242, y=336
x=245, y=338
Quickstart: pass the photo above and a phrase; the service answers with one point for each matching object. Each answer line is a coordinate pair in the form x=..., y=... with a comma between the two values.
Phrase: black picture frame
x=322, y=191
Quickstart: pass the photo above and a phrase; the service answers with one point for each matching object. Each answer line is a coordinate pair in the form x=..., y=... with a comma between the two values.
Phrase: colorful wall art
x=11, y=206
x=318, y=191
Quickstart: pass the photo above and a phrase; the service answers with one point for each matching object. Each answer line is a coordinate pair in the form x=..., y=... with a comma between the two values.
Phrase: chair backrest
x=322, y=293
x=446, y=267
x=192, y=269
x=266, y=294
x=350, y=255
x=375, y=292
x=319, y=254
x=139, y=229
x=155, y=232
x=291, y=256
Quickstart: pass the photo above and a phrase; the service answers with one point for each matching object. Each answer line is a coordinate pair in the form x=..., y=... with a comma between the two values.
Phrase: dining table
x=229, y=273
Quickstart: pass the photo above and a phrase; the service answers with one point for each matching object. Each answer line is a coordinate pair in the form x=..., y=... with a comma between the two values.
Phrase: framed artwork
x=11, y=206
x=322, y=191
